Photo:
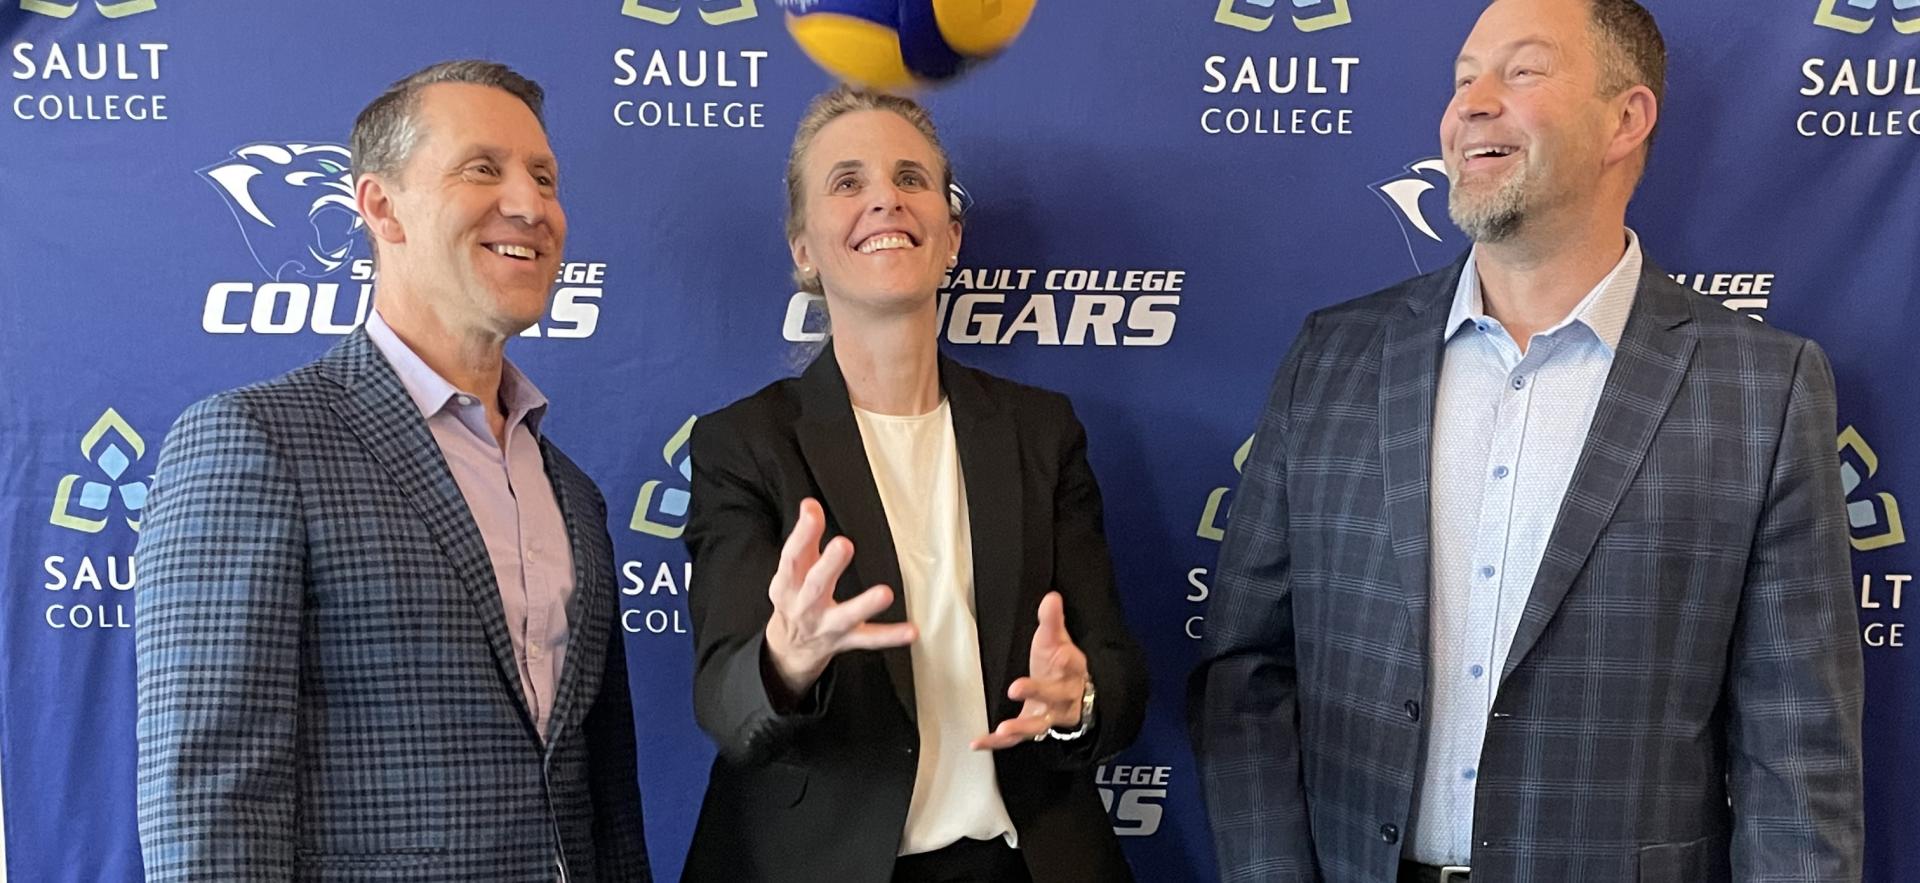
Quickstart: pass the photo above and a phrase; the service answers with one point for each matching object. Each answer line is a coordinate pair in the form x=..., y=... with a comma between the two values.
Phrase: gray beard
x=1491, y=217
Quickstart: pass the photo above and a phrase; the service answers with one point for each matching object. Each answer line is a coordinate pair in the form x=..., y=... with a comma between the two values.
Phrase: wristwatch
x=1086, y=715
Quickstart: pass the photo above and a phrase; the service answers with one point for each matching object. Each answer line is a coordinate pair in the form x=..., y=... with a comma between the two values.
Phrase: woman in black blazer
x=930, y=706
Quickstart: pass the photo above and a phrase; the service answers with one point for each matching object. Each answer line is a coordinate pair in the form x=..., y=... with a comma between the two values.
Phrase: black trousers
x=965, y=861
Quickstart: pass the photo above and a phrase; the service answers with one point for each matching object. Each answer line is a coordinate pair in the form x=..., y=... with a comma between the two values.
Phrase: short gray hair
x=1630, y=50
x=385, y=132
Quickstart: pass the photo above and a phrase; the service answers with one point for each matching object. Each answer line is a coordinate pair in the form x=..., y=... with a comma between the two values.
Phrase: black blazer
x=821, y=793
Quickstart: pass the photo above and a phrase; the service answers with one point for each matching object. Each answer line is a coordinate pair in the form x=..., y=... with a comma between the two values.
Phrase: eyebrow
x=1514, y=46
x=846, y=164
x=496, y=153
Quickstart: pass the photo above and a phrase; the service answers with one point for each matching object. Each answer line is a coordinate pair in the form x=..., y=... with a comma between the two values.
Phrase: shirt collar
x=1603, y=311
x=432, y=393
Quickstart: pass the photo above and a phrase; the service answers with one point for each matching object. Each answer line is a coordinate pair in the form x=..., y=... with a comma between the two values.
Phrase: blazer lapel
x=377, y=408
x=988, y=442
x=1409, y=378
x=588, y=625
x=830, y=442
x=1647, y=369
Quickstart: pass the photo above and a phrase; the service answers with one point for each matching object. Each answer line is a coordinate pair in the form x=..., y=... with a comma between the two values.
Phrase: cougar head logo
x=1430, y=245
x=294, y=204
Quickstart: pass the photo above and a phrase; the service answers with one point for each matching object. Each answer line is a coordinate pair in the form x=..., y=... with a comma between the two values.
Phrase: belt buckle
x=1455, y=874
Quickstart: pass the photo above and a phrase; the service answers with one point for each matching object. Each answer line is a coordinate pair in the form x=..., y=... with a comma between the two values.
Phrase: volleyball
x=895, y=45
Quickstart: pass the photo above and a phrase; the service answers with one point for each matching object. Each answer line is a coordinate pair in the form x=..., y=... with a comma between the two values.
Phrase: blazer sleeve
x=613, y=775
x=1794, y=686
x=1243, y=699
x=1083, y=574
x=734, y=536
x=217, y=646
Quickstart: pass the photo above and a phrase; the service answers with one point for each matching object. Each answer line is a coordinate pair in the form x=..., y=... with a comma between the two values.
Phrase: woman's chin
x=885, y=298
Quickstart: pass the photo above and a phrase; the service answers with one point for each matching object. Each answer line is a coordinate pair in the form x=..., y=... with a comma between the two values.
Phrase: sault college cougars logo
x=56, y=9
x=294, y=204
x=661, y=508
x=1432, y=241
x=1858, y=16
x=84, y=501
x=666, y=12
x=1213, y=519
x=1307, y=15
x=1873, y=516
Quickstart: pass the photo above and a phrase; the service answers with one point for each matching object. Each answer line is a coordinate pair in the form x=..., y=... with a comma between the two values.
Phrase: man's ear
x=374, y=196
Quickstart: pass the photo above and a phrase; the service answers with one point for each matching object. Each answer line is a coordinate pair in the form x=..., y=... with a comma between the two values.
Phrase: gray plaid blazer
x=1683, y=698
x=327, y=688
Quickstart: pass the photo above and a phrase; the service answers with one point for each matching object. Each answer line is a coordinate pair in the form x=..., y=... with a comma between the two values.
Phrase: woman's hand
x=1056, y=679
x=808, y=628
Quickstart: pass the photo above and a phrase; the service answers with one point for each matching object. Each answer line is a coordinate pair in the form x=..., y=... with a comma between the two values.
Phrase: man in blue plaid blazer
x=1538, y=569
x=377, y=628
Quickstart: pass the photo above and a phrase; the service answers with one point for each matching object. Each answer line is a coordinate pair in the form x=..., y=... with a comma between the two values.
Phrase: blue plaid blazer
x=327, y=688
x=1682, y=702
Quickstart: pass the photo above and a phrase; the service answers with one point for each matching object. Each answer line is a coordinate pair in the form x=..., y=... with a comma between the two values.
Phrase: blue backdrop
x=1162, y=191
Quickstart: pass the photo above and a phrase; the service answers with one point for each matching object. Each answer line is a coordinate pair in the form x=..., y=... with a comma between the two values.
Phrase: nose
x=1478, y=100
x=523, y=199
x=883, y=197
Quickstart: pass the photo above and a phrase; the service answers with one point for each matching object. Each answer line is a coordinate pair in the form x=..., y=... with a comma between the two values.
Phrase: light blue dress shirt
x=1508, y=428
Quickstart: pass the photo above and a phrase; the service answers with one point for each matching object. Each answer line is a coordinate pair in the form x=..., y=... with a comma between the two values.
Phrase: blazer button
x=1413, y=711
x=1390, y=833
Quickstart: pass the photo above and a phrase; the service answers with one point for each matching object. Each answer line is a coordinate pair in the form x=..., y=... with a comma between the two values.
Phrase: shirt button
x=1499, y=472
x=466, y=400
x=1390, y=833
x=533, y=651
x=1480, y=325
x=1486, y=571
x=1413, y=710
x=1467, y=774
x=1475, y=670
x=1520, y=383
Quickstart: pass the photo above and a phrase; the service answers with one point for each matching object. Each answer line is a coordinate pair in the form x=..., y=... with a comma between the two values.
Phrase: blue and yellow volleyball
x=897, y=45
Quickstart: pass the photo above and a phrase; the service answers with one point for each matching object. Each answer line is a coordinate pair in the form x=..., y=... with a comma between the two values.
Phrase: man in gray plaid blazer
x=1538, y=570
x=377, y=631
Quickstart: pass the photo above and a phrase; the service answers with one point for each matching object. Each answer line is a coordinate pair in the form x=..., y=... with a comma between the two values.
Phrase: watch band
x=1086, y=716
